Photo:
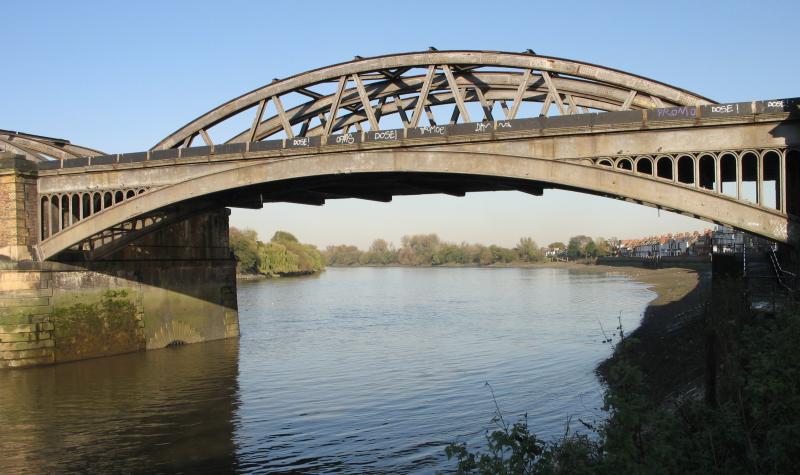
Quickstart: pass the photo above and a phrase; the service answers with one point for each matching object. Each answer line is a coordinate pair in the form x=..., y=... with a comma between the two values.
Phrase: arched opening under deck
x=644, y=165
x=664, y=168
x=707, y=167
x=686, y=170
x=749, y=182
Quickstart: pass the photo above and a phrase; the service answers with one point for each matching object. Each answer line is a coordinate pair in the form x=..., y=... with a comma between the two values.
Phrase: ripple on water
x=356, y=371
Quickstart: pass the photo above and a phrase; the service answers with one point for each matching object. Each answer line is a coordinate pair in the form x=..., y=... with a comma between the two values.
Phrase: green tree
x=603, y=246
x=502, y=254
x=528, y=250
x=577, y=246
x=455, y=254
x=590, y=250
x=380, y=252
x=275, y=259
x=244, y=244
x=418, y=249
x=283, y=255
x=485, y=256
x=283, y=236
x=342, y=255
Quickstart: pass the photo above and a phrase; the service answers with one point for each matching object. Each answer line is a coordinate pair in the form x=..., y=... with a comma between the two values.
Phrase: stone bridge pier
x=173, y=286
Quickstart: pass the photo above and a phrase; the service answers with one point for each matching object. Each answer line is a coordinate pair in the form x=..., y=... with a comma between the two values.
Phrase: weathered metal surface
x=133, y=157
x=391, y=135
x=566, y=83
x=485, y=149
x=466, y=161
x=104, y=160
x=37, y=148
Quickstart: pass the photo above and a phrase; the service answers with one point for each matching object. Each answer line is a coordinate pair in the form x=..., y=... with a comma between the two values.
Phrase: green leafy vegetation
x=584, y=247
x=282, y=255
x=429, y=250
x=97, y=325
x=749, y=423
x=244, y=244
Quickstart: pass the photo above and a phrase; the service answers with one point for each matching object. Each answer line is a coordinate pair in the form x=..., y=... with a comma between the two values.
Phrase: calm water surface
x=356, y=371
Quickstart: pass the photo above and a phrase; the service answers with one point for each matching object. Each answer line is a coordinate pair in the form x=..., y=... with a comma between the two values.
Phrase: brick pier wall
x=26, y=327
x=18, y=207
x=174, y=286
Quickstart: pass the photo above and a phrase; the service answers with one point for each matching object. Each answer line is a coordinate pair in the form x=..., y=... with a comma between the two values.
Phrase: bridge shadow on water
x=154, y=412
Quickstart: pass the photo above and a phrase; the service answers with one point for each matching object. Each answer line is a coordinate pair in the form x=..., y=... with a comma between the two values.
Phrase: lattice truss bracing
x=61, y=210
x=424, y=88
x=38, y=148
x=754, y=176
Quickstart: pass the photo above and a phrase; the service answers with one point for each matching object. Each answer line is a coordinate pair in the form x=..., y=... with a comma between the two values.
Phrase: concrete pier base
x=174, y=286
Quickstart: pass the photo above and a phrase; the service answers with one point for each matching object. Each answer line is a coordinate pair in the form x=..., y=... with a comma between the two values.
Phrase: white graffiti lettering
x=677, y=112
x=482, y=126
x=504, y=125
x=433, y=130
x=385, y=135
x=301, y=142
x=775, y=104
x=347, y=139
x=725, y=109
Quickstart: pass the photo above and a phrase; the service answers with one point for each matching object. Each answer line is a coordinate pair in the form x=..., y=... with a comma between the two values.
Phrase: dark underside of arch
x=316, y=190
x=381, y=187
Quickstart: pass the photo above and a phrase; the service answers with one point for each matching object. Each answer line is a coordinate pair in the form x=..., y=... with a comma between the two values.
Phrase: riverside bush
x=752, y=428
x=282, y=255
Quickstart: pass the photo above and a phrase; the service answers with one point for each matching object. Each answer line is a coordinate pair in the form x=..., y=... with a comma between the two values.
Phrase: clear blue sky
x=119, y=76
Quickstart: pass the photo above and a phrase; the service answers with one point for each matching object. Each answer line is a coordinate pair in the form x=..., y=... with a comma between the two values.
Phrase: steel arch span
x=362, y=92
x=380, y=175
x=322, y=135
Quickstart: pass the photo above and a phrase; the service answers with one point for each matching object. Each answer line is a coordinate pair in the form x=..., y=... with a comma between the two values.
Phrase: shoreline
x=668, y=345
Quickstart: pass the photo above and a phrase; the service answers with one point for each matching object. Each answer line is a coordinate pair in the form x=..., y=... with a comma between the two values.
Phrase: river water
x=365, y=370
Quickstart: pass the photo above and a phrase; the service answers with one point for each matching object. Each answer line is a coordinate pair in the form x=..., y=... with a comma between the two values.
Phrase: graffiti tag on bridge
x=677, y=112
x=433, y=130
x=384, y=135
x=346, y=139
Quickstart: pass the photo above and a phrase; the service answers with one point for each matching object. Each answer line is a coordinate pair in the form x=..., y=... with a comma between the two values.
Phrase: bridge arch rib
x=360, y=93
x=38, y=148
x=347, y=172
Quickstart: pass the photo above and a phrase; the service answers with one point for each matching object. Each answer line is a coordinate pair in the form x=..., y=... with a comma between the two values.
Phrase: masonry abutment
x=174, y=284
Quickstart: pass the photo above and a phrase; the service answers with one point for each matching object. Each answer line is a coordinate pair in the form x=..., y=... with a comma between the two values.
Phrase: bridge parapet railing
x=787, y=280
x=58, y=211
x=591, y=121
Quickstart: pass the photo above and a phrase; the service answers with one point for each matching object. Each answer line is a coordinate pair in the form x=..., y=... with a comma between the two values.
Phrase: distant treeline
x=282, y=255
x=429, y=250
x=584, y=247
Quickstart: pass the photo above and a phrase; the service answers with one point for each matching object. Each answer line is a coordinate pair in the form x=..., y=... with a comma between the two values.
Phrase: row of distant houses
x=721, y=239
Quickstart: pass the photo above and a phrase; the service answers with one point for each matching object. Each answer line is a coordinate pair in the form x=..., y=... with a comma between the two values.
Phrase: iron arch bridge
x=439, y=122
x=37, y=148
